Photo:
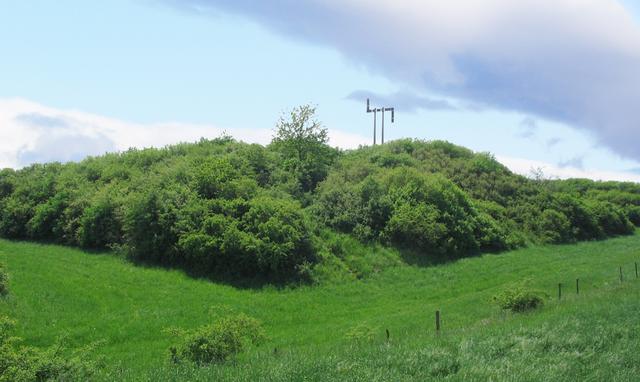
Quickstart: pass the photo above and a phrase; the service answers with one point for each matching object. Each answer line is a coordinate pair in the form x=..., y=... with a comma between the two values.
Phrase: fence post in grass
x=620, y=274
x=559, y=291
x=636, y=270
x=437, y=322
x=387, y=330
x=577, y=286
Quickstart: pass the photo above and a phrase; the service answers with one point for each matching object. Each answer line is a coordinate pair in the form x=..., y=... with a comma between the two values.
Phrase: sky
x=541, y=84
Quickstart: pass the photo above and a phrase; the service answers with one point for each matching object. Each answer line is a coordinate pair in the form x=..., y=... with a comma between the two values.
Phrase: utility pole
x=375, y=115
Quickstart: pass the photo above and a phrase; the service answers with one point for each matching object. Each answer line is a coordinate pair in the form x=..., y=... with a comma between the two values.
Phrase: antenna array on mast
x=375, y=112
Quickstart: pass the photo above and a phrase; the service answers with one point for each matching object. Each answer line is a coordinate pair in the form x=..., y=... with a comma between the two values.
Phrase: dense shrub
x=100, y=225
x=265, y=236
x=283, y=239
x=611, y=218
x=6, y=182
x=149, y=226
x=584, y=225
x=633, y=214
x=213, y=178
x=554, y=227
x=20, y=363
x=407, y=208
x=518, y=299
x=15, y=216
x=218, y=342
x=225, y=207
x=47, y=221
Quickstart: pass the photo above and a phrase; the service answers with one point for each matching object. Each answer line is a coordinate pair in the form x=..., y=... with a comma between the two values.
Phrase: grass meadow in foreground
x=336, y=331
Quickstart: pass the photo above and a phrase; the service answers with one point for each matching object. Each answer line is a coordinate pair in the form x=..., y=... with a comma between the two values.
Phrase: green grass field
x=58, y=291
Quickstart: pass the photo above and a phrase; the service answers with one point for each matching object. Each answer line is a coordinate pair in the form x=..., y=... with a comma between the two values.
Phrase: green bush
x=611, y=218
x=212, y=178
x=14, y=216
x=219, y=342
x=20, y=363
x=268, y=237
x=100, y=225
x=221, y=206
x=633, y=214
x=4, y=281
x=148, y=226
x=518, y=299
x=408, y=208
x=283, y=237
x=555, y=227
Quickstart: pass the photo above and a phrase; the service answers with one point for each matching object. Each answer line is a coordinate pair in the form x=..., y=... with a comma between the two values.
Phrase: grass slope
x=57, y=291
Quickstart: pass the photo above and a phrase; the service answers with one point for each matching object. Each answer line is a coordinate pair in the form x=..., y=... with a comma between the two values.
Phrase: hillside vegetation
x=297, y=208
x=336, y=331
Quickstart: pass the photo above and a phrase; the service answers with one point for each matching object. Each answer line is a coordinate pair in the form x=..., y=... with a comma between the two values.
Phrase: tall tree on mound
x=303, y=143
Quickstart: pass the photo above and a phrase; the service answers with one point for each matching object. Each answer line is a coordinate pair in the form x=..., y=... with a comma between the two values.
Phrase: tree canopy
x=224, y=207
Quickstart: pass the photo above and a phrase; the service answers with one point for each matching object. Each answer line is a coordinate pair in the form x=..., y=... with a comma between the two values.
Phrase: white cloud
x=30, y=132
x=574, y=61
x=403, y=101
x=526, y=167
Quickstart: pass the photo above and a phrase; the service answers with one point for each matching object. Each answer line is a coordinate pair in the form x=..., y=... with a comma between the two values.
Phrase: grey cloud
x=555, y=59
x=577, y=162
x=553, y=142
x=403, y=101
x=64, y=148
x=528, y=128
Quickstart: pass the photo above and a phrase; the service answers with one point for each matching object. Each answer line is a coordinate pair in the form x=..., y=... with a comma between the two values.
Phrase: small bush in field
x=19, y=363
x=217, y=342
x=518, y=299
x=4, y=281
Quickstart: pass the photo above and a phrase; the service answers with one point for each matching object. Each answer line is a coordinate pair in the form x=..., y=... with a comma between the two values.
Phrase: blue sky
x=123, y=73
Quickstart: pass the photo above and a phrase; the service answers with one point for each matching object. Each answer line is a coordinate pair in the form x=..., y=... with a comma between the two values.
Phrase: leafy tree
x=302, y=142
x=225, y=207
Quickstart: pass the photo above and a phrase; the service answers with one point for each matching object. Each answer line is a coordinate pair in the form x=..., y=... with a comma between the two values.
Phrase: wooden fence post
x=577, y=286
x=438, y=321
x=559, y=291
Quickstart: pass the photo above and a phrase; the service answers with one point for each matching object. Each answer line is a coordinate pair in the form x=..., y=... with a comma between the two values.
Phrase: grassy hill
x=299, y=210
x=329, y=249
x=336, y=331
x=287, y=211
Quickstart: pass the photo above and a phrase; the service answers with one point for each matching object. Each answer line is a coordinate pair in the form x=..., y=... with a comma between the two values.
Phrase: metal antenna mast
x=375, y=114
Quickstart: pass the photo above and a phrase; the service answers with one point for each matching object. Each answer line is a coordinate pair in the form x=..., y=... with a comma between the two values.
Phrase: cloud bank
x=406, y=102
x=528, y=167
x=574, y=61
x=33, y=133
